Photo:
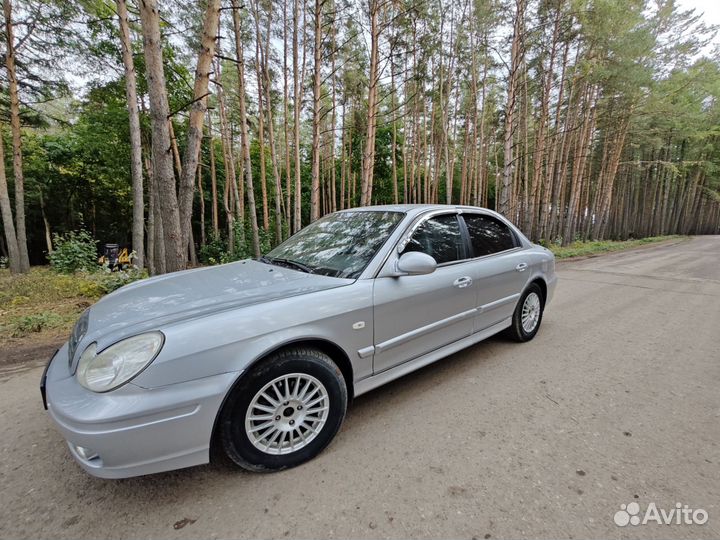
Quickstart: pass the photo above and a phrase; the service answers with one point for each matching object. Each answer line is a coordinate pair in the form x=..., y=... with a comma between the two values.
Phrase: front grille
x=78, y=333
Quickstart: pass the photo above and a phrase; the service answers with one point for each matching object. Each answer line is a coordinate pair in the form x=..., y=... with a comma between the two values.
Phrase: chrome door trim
x=417, y=332
x=366, y=351
x=512, y=250
x=498, y=303
x=378, y=379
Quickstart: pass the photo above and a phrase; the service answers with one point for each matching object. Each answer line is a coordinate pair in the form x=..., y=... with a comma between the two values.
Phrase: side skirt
x=374, y=381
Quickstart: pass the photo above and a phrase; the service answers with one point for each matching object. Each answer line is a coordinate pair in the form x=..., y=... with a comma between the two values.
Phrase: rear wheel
x=528, y=314
x=285, y=412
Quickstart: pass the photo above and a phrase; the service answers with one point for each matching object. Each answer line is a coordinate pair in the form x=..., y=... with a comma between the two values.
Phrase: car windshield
x=338, y=245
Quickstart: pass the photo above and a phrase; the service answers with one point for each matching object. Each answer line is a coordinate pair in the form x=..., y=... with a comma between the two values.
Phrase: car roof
x=413, y=209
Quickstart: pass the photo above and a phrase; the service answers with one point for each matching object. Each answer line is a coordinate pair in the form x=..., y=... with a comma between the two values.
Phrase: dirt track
x=616, y=400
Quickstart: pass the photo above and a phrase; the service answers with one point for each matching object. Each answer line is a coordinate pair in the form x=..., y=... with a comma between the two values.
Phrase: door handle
x=462, y=282
x=521, y=267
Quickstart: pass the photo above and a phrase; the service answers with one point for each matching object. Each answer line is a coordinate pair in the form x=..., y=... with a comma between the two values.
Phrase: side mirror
x=415, y=263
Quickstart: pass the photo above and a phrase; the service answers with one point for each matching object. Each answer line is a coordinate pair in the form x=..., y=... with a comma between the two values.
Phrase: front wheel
x=528, y=314
x=285, y=412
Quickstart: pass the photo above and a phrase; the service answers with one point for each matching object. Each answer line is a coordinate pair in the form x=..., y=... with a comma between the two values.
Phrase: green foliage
x=243, y=242
x=216, y=249
x=582, y=249
x=43, y=301
x=73, y=251
x=27, y=324
x=36, y=287
x=106, y=281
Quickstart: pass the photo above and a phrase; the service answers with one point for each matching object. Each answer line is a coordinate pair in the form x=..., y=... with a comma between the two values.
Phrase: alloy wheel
x=287, y=414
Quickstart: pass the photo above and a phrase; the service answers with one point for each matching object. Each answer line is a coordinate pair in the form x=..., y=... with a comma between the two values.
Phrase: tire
x=533, y=299
x=285, y=393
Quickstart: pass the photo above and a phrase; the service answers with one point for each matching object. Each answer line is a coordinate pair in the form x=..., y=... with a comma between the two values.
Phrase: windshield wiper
x=288, y=263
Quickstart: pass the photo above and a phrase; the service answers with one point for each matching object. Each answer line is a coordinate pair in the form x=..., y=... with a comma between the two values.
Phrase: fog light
x=86, y=453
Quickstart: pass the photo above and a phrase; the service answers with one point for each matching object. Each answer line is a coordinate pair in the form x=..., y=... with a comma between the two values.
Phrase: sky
x=710, y=9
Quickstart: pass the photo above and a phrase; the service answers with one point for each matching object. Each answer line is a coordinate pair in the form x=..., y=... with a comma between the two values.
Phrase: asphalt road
x=617, y=400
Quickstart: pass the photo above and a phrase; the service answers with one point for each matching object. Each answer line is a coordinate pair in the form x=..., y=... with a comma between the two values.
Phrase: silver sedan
x=258, y=359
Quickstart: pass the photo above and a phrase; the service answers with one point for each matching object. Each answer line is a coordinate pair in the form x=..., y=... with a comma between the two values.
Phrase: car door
x=417, y=314
x=500, y=268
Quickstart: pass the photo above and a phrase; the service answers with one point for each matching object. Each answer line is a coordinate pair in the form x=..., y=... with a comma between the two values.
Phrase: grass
x=43, y=304
x=595, y=247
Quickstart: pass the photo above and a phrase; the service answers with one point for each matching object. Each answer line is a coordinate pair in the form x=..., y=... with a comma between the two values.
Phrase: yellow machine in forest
x=116, y=258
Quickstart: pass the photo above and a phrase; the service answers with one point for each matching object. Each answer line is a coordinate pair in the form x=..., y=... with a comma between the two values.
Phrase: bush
x=106, y=281
x=73, y=251
x=35, y=323
x=216, y=251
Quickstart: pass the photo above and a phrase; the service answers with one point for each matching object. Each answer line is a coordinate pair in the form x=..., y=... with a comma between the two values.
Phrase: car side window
x=488, y=235
x=440, y=238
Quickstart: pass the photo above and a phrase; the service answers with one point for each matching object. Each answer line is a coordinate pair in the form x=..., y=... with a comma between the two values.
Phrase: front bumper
x=134, y=431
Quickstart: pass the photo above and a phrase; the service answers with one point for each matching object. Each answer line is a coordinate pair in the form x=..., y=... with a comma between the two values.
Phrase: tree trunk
x=536, y=210
x=231, y=194
x=157, y=231
x=315, y=185
x=506, y=196
x=150, y=224
x=297, y=91
x=393, y=150
x=213, y=182
x=286, y=128
x=333, y=120
x=261, y=120
x=175, y=149
x=175, y=248
x=201, y=193
x=245, y=136
x=16, y=139
x=138, y=237
x=227, y=194
x=373, y=81
x=271, y=133
x=46, y=223
x=343, y=160
x=7, y=217
x=197, y=115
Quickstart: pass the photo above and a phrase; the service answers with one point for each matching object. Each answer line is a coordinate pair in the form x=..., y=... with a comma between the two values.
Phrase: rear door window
x=488, y=235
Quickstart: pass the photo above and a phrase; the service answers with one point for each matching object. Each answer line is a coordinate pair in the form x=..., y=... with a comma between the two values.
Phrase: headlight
x=119, y=363
x=78, y=333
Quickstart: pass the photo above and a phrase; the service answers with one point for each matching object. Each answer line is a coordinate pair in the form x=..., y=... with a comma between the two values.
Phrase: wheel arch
x=540, y=281
x=334, y=351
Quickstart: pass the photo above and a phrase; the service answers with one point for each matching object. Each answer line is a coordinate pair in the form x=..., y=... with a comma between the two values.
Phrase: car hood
x=150, y=303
